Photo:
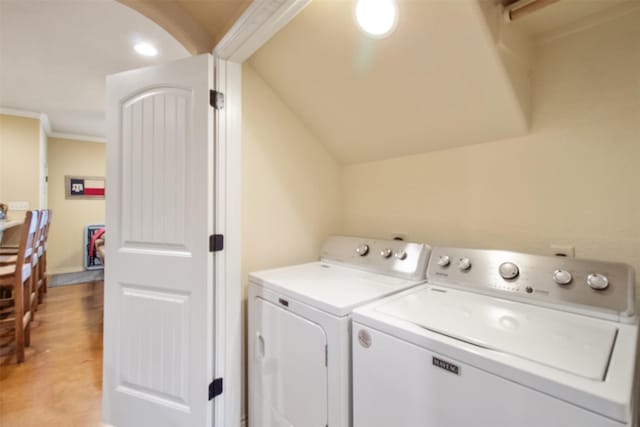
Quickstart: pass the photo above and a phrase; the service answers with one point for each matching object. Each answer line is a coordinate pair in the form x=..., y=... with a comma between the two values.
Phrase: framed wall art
x=84, y=187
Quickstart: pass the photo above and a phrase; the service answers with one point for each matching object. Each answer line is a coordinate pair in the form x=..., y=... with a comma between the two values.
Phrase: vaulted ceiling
x=453, y=73
x=436, y=82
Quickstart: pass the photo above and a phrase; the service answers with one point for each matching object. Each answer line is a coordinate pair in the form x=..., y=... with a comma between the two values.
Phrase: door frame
x=259, y=22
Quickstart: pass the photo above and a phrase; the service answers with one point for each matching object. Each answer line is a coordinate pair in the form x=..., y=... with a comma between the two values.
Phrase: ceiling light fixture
x=377, y=18
x=145, y=49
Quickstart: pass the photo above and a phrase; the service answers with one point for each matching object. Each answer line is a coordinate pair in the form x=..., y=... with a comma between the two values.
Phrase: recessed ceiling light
x=145, y=49
x=377, y=18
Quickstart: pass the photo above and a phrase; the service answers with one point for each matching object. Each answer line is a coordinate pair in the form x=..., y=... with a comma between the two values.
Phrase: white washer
x=500, y=339
x=300, y=327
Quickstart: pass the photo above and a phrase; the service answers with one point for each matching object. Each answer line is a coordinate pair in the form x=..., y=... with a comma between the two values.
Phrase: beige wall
x=573, y=180
x=69, y=157
x=290, y=185
x=290, y=189
x=19, y=161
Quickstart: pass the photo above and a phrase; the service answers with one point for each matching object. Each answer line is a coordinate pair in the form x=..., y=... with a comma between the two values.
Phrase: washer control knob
x=386, y=253
x=464, y=264
x=444, y=261
x=362, y=250
x=401, y=254
x=508, y=270
x=562, y=277
x=597, y=281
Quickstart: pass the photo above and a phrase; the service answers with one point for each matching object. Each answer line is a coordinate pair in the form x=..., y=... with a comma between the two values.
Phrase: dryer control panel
x=391, y=257
x=604, y=289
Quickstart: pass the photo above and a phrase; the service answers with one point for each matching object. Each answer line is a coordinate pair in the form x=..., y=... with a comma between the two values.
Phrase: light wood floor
x=60, y=382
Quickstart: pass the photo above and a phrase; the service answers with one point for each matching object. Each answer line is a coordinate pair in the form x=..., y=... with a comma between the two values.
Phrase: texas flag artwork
x=85, y=187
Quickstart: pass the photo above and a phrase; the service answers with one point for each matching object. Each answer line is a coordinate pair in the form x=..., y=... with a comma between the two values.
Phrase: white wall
x=573, y=180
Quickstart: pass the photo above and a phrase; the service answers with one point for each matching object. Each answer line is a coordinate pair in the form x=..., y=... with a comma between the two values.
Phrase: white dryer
x=500, y=339
x=300, y=327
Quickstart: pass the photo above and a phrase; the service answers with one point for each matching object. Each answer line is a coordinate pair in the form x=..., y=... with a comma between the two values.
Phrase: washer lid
x=329, y=287
x=573, y=343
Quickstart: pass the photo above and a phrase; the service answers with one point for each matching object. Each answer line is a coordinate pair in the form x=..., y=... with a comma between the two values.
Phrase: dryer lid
x=331, y=288
x=573, y=343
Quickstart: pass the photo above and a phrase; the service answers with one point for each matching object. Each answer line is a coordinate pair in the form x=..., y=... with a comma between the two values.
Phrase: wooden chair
x=9, y=259
x=35, y=261
x=8, y=249
x=16, y=284
x=9, y=254
x=41, y=279
x=36, y=279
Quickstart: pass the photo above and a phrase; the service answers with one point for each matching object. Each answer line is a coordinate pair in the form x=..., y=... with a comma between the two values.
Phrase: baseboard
x=66, y=270
x=75, y=277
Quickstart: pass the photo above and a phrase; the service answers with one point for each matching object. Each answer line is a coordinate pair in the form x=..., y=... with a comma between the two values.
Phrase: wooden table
x=12, y=226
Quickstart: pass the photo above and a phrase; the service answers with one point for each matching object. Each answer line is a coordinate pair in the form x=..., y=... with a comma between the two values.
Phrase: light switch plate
x=18, y=206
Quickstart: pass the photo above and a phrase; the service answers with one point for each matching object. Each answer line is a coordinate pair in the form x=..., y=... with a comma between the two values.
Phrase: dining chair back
x=16, y=284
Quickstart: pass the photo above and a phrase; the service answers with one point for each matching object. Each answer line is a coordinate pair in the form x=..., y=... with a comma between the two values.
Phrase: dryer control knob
x=597, y=281
x=464, y=264
x=562, y=277
x=444, y=261
x=362, y=250
x=508, y=270
x=386, y=253
x=401, y=254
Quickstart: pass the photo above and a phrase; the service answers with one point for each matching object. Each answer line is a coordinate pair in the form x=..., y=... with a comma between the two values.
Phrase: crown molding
x=259, y=22
x=20, y=113
x=76, y=137
x=45, y=124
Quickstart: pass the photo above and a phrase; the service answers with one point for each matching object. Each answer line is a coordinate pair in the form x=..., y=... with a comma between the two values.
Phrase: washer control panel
x=391, y=257
x=585, y=285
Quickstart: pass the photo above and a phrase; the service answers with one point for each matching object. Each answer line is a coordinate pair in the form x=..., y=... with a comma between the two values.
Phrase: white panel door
x=291, y=370
x=158, y=319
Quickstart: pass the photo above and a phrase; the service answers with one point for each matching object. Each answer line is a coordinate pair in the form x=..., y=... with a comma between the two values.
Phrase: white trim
x=76, y=137
x=46, y=125
x=229, y=325
x=20, y=113
x=261, y=20
x=44, y=119
x=43, y=146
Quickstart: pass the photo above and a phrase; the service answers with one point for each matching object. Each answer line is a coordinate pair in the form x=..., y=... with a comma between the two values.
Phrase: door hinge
x=216, y=242
x=215, y=388
x=216, y=99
